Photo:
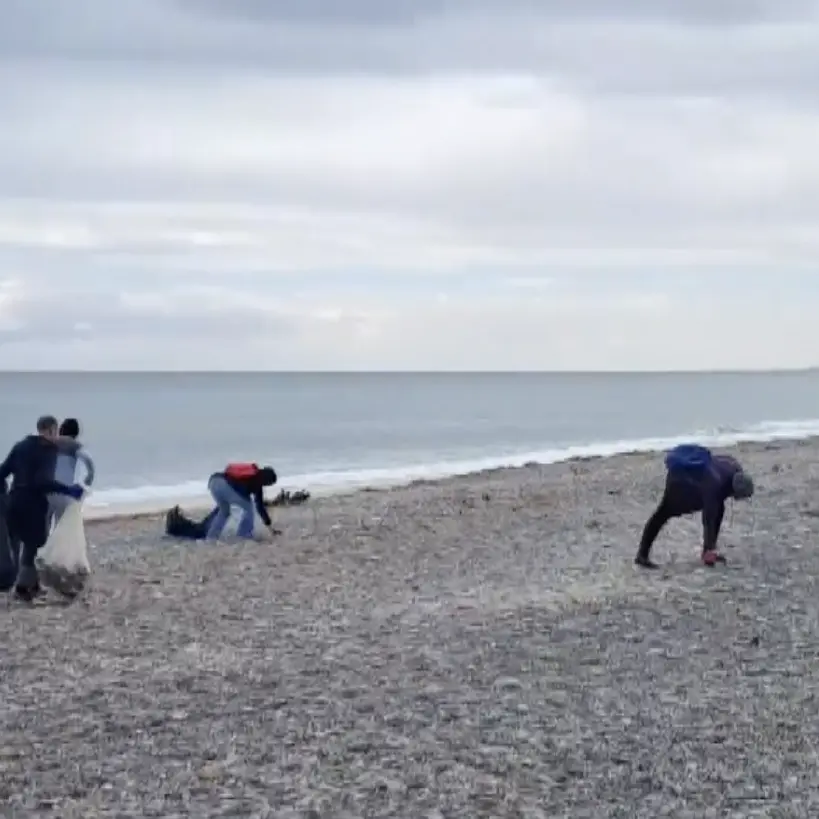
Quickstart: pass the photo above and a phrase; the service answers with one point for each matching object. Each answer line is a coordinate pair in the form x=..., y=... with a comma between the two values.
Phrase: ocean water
x=157, y=437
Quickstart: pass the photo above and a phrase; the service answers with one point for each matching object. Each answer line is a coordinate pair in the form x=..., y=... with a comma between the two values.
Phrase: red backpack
x=241, y=472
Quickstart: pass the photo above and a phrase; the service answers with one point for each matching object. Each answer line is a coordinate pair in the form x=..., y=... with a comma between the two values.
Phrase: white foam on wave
x=193, y=494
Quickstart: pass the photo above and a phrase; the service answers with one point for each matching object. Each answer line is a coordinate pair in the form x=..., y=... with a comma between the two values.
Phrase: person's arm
x=46, y=481
x=7, y=468
x=88, y=463
x=258, y=499
x=55, y=487
x=730, y=464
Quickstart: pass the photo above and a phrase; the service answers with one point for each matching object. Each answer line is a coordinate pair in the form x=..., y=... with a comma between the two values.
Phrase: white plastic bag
x=63, y=561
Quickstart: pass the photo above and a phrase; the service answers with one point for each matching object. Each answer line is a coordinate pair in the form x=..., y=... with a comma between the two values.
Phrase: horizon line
x=721, y=371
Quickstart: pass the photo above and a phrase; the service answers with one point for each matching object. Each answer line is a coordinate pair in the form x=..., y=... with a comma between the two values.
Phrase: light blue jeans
x=227, y=497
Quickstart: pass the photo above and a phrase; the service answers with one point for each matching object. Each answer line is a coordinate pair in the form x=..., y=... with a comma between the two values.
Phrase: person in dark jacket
x=706, y=492
x=240, y=485
x=30, y=464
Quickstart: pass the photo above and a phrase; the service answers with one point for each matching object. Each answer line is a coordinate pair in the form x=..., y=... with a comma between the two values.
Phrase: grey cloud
x=69, y=308
x=602, y=205
x=596, y=58
x=100, y=98
x=400, y=12
x=612, y=194
x=403, y=35
x=89, y=20
x=326, y=12
x=56, y=143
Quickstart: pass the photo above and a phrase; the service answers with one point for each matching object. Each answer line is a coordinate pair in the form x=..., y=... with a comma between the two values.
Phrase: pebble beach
x=481, y=646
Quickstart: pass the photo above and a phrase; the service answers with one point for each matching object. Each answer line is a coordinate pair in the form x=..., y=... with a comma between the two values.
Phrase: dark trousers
x=682, y=496
x=8, y=553
x=27, y=521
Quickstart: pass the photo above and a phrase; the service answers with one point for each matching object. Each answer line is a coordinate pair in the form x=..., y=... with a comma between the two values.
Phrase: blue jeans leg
x=216, y=487
x=204, y=525
x=246, y=522
x=225, y=497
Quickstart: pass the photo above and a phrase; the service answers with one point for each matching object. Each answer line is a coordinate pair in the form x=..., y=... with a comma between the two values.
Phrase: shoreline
x=390, y=478
x=454, y=482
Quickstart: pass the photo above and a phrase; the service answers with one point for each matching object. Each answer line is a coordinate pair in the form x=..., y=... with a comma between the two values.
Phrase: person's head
x=742, y=486
x=267, y=475
x=70, y=428
x=47, y=426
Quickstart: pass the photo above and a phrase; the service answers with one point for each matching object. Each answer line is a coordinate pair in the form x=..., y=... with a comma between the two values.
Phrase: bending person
x=240, y=485
x=701, y=487
x=65, y=471
x=30, y=464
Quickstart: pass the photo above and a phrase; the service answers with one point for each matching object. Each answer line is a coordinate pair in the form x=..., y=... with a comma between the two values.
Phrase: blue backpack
x=688, y=459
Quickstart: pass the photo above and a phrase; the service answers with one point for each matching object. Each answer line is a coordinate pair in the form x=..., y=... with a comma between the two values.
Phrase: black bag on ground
x=177, y=524
x=8, y=558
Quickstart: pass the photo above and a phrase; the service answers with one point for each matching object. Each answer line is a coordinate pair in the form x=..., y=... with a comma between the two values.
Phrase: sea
x=156, y=437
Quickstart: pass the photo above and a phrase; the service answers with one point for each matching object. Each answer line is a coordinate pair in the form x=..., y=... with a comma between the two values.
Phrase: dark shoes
x=712, y=557
x=28, y=594
x=645, y=562
x=709, y=558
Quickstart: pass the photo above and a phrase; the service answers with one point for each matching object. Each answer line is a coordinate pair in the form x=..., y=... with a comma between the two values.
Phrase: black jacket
x=704, y=492
x=30, y=465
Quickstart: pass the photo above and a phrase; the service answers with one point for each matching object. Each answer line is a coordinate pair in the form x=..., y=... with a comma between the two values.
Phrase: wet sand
x=475, y=647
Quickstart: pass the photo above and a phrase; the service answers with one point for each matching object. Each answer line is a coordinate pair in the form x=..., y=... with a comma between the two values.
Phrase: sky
x=412, y=184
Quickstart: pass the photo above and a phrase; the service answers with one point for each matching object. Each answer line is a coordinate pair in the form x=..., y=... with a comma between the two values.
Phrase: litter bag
x=63, y=561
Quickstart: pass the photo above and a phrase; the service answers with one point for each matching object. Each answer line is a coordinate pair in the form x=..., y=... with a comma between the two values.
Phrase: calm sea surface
x=156, y=437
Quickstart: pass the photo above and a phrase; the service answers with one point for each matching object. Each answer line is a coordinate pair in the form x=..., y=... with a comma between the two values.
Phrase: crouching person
x=240, y=486
x=696, y=481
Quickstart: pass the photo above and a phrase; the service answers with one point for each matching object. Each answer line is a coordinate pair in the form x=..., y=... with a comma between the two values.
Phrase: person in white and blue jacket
x=65, y=470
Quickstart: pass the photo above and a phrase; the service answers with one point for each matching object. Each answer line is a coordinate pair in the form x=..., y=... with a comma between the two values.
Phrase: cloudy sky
x=423, y=184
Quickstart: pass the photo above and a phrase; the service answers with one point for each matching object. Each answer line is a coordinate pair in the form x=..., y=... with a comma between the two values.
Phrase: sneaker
x=645, y=562
x=172, y=521
x=27, y=594
x=712, y=557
